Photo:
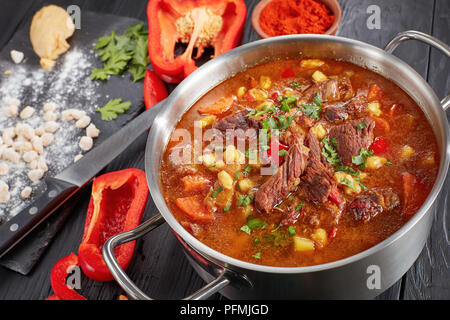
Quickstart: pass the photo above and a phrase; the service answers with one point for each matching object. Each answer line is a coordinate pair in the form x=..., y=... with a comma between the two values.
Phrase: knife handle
x=13, y=230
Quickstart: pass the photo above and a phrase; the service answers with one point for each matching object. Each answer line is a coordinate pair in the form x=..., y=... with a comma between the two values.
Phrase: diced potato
x=375, y=162
x=320, y=236
x=265, y=82
x=407, y=151
x=311, y=63
x=241, y=91
x=225, y=179
x=264, y=105
x=303, y=244
x=319, y=131
x=248, y=210
x=245, y=185
x=258, y=94
x=319, y=76
x=220, y=164
x=232, y=155
x=348, y=182
x=288, y=92
x=374, y=109
x=206, y=121
x=208, y=159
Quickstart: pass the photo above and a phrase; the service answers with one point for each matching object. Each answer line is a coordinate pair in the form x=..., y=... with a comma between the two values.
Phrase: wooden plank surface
x=159, y=267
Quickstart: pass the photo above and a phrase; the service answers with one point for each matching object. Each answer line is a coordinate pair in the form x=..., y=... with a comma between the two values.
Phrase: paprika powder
x=282, y=17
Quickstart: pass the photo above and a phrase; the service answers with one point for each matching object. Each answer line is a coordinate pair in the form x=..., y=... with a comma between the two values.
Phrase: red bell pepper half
x=154, y=89
x=118, y=201
x=199, y=23
x=58, y=277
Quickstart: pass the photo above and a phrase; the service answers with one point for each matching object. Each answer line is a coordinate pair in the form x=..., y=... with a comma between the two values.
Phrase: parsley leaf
x=329, y=151
x=360, y=160
x=282, y=153
x=361, y=126
x=246, y=229
x=245, y=200
x=299, y=206
x=347, y=183
x=295, y=84
x=216, y=192
x=287, y=103
x=313, y=110
x=113, y=108
x=257, y=255
x=291, y=230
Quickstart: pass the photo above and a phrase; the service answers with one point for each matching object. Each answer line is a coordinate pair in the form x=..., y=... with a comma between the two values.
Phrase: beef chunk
x=291, y=218
x=334, y=113
x=318, y=175
x=238, y=120
x=285, y=180
x=350, y=139
x=371, y=203
x=333, y=89
x=356, y=106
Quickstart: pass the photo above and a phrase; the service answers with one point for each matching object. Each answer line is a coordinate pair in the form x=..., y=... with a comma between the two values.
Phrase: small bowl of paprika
x=271, y=18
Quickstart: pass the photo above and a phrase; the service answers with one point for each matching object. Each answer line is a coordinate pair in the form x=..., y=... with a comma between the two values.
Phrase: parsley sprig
x=313, y=110
x=113, y=108
x=122, y=52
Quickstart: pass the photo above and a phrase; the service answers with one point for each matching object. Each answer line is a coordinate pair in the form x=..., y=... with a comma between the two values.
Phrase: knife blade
x=65, y=184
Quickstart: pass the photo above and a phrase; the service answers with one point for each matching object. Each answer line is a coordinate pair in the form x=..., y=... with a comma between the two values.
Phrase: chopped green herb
x=247, y=170
x=226, y=209
x=284, y=122
x=313, y=110
x=347, y=183
x=216, y=192
x=255, y=241
x=287, y=103
x=257, y=255
x=361, y=126
x=295, y=84
x=236, y=176
x=291, y=230
x=348, y=170
x=246, y=229
x=388, y=163
x=113, y=108
x=256, y=223
x=245, y=200
x=329, y=151
x=363, y=186
x=299, y=206
x=360, y=160
x=282, y=153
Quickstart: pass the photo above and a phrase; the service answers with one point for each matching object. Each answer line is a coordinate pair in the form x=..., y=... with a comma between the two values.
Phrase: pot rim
x=153, y=178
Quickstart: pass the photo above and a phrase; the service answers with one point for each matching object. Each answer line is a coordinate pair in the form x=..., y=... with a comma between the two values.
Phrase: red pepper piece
x=276, y=159
x=154, y=89
x=288, y=73
x=274, y=96
x=118, y=200
x=335, y=197
x=173, y=21
x=53, y=297
x=380, y=146
x=332, y=233
x=58, y=279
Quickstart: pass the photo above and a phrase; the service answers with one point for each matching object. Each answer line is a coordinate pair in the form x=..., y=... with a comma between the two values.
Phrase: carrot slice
x=195, y=183
x=194, y=208
x=219, y=106
x=375, y=93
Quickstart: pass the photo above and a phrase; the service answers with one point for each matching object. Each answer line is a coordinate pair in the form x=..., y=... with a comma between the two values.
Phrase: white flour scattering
x=36, y=139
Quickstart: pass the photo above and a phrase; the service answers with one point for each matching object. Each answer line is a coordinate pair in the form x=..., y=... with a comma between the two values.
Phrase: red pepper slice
x=276, y=159
x=173, y=21
x=288, y=73
x=154, y=89
x=58, y=279
x=335, y=197
x=380, y=146
x=118, y=201
x=53, y=297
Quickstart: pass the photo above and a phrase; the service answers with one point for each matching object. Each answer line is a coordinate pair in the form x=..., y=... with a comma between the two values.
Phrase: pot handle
x=432, y=41
x=129, y=286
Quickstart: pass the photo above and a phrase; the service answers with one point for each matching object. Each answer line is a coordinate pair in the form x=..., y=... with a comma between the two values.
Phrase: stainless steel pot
x=363, y=275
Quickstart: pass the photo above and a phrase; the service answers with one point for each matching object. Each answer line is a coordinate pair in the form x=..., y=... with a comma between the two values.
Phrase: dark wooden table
x=159, y=266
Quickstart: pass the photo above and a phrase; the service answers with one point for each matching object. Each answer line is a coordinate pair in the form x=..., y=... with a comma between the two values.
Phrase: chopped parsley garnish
x=216, y=192
x=226, y=209
x=295, y=84
x=256, y=223
x=257, y=255
x=113, y=108
x=313, y=110
x=282, y=153
x=255, y=241
x=246, y=229
x=329, y=151
x=287, y=103
x=360, y=160
x=388, y=163
x=299, y=206
x=284, y=122
x=361, y=126
x=245, y=200
x=291, y=230
x=348, y=170
x=347, y=183
x=247, y=170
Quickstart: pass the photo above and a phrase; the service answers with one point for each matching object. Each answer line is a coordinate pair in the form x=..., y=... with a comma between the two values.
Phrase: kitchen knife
x=68, y=182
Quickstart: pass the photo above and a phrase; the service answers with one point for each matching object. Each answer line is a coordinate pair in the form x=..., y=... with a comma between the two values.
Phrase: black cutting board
x=92, y=26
